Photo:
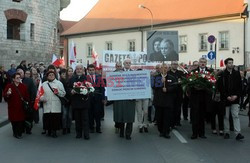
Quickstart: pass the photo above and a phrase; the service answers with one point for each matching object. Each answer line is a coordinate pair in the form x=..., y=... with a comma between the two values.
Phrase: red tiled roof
x=67, y=24
x=122, y=14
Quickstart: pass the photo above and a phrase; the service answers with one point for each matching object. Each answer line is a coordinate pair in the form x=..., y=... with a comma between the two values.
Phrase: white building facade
x=125, y=29
x=193, y=42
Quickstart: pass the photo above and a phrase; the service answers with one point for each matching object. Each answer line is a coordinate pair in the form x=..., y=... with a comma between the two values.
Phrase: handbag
x=64, y=100
x=26, y=105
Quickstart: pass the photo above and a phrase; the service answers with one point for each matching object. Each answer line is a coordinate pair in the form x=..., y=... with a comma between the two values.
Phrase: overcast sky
x=77, y=9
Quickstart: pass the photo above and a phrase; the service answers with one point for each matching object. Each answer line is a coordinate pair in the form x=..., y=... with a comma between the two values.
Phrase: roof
x=67, y=24
x=122, y=14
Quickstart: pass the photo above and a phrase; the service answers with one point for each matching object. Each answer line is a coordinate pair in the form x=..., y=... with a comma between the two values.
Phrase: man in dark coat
x=80, y=105
x=22, y=65
x=199, y=103
x=176, y=121
x=165, y=93
x=3, y=81
x=97, y=99
x=230, y=88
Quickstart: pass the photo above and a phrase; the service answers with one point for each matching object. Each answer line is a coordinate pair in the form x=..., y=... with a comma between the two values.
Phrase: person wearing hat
x=53, y=89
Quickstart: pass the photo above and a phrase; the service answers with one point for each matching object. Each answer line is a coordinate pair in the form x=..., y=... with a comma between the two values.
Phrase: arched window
x=14, y=20
x=13, y=29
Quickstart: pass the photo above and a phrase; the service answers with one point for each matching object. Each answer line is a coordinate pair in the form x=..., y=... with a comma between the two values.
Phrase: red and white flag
x=62, y=62
x=221, y=63
x=95, y=57
x=39, y=94
x=72, y=55
x=55, y=60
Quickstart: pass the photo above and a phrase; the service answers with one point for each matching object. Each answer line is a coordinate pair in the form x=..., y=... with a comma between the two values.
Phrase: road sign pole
x=211, y=39
x=215, y=51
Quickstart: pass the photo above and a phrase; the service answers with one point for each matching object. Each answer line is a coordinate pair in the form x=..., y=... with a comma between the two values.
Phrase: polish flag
x=55, y=60
x=39, y=94
x=95, y=57
x=72, y=55
x=221, y=63
x=62, y=62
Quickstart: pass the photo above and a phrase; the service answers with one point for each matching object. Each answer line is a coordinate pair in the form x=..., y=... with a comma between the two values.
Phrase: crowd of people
x=61, y=103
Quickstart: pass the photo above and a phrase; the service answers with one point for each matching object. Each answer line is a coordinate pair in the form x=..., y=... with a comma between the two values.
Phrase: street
x=108, y=147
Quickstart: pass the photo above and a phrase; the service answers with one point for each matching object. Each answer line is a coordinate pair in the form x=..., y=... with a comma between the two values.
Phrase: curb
x=3, y=123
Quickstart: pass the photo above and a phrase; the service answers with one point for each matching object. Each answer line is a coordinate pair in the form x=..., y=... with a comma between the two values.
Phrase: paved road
x=3, y=113
x=108, y=147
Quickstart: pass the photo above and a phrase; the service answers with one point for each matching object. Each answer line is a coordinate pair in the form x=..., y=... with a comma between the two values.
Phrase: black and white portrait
x=162, y=46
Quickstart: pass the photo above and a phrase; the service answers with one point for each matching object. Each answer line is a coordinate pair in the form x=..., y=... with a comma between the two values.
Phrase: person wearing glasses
x=16, y=113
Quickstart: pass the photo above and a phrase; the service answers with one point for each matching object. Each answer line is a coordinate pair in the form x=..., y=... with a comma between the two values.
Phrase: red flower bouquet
x=83, y=88
x=199, y=81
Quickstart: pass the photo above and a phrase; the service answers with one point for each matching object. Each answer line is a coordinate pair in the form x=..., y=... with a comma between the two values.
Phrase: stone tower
x=29, y=30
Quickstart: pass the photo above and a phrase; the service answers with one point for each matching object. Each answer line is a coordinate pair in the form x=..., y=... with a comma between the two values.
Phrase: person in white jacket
x=53, y=89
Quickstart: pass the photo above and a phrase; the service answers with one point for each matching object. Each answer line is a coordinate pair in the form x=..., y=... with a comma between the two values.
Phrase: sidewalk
x=3, y=113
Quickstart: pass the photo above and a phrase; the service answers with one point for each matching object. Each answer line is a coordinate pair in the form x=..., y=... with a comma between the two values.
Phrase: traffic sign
x=204, y=56
x=211, y=55
x=211, y=39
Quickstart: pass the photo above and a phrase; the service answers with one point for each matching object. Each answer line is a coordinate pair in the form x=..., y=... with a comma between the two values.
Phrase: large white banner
x=138, y=60
x=128, y=85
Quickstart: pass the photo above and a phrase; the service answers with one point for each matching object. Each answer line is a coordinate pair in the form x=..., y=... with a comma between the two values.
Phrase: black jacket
x=32, y=89
x=78, y=101
x=164, y=99
x=178, y=75
x=230, y=84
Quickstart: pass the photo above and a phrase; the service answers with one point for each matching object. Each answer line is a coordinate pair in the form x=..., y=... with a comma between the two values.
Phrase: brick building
x=29, y=29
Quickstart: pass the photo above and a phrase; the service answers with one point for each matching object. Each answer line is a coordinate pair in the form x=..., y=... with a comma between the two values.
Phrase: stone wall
x=44, y=14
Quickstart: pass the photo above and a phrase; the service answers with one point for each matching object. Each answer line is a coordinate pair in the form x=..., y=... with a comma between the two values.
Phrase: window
x=16, y=0
x=223, y=40
x=89, y=49
x=55, y=35
x=109, y=46
x=13, y=29
x=183, y=43
x=203, y=42
x=32, y=31
x=131, y=45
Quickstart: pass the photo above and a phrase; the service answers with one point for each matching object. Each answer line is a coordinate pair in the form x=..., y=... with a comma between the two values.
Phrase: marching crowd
x=61, y=103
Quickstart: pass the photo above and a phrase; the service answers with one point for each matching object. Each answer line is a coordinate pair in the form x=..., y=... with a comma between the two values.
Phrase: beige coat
x=53, y=103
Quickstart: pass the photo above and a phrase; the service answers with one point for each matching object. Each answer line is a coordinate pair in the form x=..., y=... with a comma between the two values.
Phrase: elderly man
x=199, y=103
x=165, y=90
x=80, y=106
x=124, y=110
x=167, y=51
